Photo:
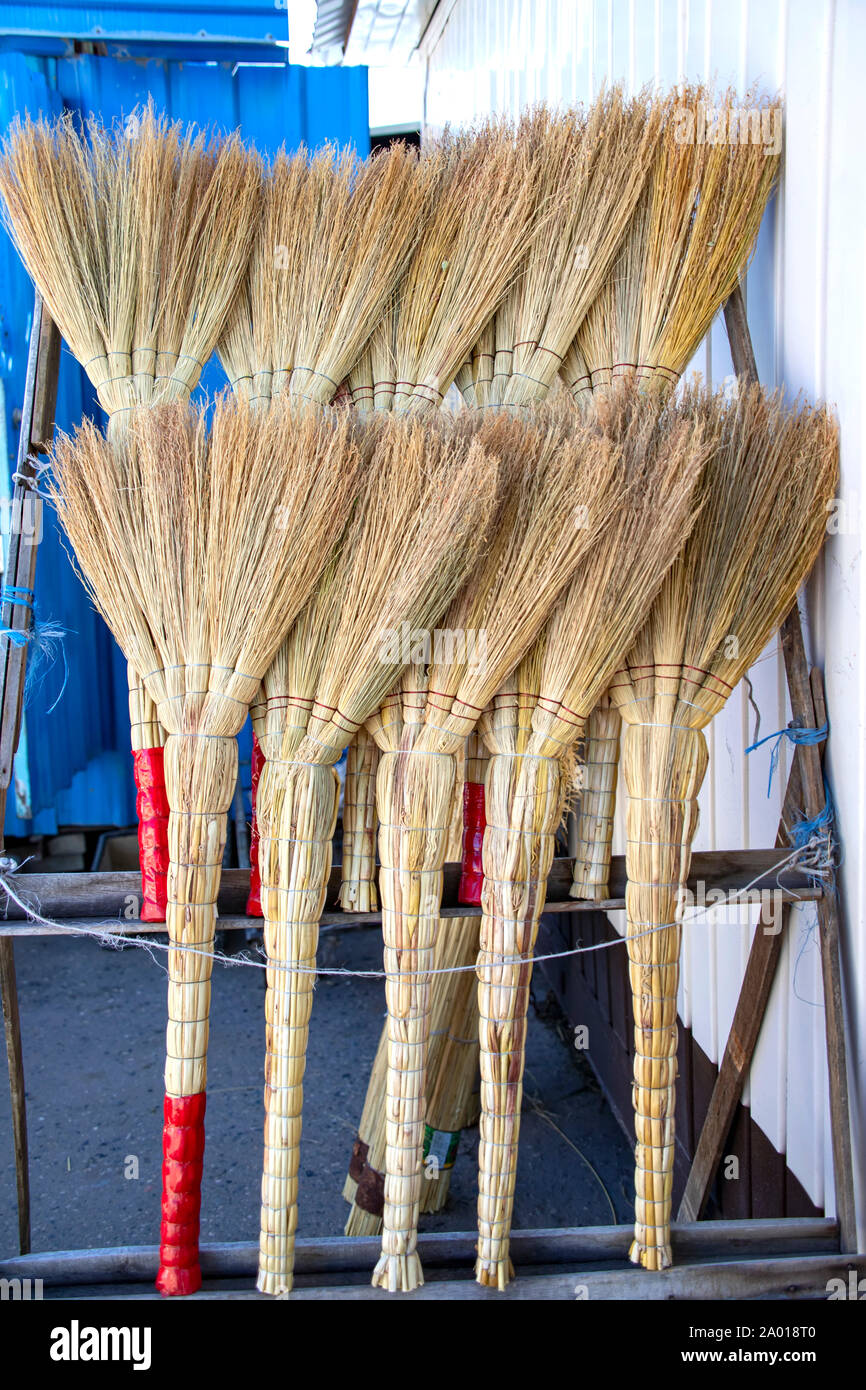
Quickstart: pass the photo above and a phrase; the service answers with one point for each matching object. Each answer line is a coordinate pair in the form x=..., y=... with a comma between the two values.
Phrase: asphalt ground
x=93, y=1025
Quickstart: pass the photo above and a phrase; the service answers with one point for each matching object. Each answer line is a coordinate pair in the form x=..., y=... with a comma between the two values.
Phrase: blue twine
x=805, y=737
x=44, y=638
x=23, y=598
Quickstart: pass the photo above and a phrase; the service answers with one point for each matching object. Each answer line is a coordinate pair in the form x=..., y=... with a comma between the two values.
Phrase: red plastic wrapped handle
x=182, y=1162
x=472, y=876
x=151, y=804
x=254, y=901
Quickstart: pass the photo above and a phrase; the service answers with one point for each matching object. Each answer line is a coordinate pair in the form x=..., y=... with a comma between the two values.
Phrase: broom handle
x=358, y=886
x=413, y=790
x=658, y=853
x=151, y=802
x=524, y=799
x=200, y=775
x=297, y=809
x=595, y=816
x=472, y=873
x=254, y=897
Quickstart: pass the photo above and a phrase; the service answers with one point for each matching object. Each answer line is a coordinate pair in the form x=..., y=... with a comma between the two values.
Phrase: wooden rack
x=740, y=1259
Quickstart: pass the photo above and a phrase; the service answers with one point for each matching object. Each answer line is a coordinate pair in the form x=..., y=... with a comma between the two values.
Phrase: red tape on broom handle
x=472, y=877
x=254, y=901
x=151, y=805
x=182, y=1160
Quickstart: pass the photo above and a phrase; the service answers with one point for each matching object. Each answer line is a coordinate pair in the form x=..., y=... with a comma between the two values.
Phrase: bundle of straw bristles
x=450, y=590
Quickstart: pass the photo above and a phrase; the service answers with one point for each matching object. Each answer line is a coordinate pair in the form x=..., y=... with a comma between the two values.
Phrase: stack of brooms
x=691, y=236
x=110, y=224
x=582, y=187
x=334, y=238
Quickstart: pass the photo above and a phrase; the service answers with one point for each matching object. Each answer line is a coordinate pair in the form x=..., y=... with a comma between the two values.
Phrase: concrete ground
x=93, y=1029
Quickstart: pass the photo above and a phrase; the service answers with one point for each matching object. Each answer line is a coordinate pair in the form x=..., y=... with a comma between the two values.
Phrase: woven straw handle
x=524, y=800
x=358, y=887
x=595, y=816
x=297, y=808
x=254, y=898
x=414, y=804
x=663, y=770
x=200, y=775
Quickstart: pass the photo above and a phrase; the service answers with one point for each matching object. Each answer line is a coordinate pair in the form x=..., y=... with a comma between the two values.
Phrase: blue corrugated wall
x=77, y=755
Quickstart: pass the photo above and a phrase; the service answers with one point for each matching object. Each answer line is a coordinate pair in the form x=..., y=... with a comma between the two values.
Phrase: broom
x=151, y=803
x=660, y=454
x=198, y=550
x=335, y=237
x=111, y=228
x=470, y=247
x=588, y=171
x=418, y=524
x=137, y=239
x=764, y=498
x=550, y=465
x=691, y=235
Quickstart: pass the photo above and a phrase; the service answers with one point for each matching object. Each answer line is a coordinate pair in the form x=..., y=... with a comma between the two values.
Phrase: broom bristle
x=335, y=237
x=691, y=235
x=137, y=239
x=199, y=550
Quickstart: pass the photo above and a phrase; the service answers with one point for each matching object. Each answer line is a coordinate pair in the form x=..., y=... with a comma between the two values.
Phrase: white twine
x=109, y=936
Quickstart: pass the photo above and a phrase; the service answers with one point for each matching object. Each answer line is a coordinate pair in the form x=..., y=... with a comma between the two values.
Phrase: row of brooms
x=291, y=550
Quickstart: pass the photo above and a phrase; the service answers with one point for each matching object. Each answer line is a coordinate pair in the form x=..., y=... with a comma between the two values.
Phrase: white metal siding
x=806, y=298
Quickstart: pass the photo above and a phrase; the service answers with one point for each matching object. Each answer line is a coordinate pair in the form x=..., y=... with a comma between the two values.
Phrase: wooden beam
x=328, y=1255
x=805, y=790
x=106, y=898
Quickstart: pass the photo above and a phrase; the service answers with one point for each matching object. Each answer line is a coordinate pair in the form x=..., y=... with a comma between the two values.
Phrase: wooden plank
x=25, y=526
x=109, y=894
x=37, y=427
x=45, y=386
x=15, y=1059
x=705, y=1240
x=737, y=1058
x=802, y=1277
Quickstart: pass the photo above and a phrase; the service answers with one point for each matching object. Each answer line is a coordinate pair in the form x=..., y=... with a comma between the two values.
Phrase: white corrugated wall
x=806, y=299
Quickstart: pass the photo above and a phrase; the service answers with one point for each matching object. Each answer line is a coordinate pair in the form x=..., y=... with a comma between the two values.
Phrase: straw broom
x=660, y=453
x=110, y=225
x=690, y=237
x=137, y=239
x=198, y=550
x=470, y=247
x=552, y=466
x=151, y=802
x=764, y=499
x=420, y=519
x=693, y=231
x=589, y=169
x=358, y=885
x=335, y=237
